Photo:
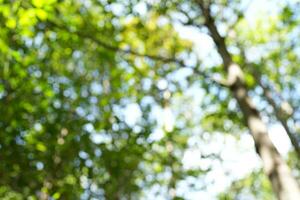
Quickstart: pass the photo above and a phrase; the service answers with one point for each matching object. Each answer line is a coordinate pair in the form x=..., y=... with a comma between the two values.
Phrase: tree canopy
x=142, y=99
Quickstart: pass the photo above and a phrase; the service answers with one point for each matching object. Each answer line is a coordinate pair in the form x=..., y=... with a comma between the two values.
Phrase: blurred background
x=123, y=99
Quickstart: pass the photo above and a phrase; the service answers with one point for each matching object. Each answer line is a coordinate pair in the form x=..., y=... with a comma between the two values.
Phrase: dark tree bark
x=283, y=183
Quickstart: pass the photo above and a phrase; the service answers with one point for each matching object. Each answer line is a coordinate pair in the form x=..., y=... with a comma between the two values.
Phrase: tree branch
x=138, y=54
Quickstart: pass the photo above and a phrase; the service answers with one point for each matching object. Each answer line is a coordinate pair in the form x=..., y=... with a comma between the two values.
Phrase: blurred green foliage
x=68, y=72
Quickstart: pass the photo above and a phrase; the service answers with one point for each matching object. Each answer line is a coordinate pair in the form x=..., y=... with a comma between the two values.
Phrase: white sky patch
x=280, y=139
x=257, y=8
x=239, y=160
x=241, y=156
x=168, y=119
x=116, y=8
x=96, y=88
x=162, y=84
x=157, y=135
x=140, y=8
x=38, y=127
x=89, y=127
x=165, y=122
x=203, y=42
x=164, y=117
x=132, y=113
x=101, y=137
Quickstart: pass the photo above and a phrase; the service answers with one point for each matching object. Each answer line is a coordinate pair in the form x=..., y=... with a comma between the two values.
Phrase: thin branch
x=116, y=48
x=136, y=53
x=190, y=20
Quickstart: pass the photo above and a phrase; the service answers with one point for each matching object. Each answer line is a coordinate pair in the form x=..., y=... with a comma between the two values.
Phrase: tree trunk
x=279, y=114
x=282, y=114
x=283, y=183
